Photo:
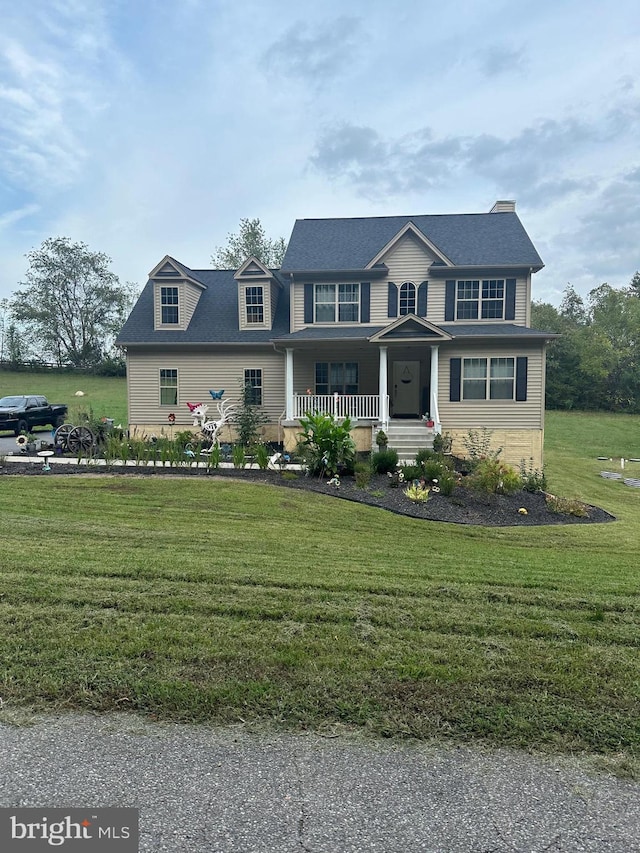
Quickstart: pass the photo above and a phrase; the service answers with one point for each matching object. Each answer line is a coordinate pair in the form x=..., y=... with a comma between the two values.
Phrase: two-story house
x=385, y=319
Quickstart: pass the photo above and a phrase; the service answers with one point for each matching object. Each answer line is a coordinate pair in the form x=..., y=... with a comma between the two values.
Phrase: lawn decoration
x=211, y=428
x=217, y=395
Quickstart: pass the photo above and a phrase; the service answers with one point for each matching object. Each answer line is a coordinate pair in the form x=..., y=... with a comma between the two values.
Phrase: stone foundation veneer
x=516, y=444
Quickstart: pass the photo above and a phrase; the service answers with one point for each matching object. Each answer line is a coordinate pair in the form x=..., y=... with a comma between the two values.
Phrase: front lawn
x=203, y=599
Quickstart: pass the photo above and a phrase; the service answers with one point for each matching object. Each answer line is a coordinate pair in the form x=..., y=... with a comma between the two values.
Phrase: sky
x=150, y=128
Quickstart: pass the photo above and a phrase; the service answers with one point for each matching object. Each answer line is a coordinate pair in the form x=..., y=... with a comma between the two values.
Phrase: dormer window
x=169, y=305
x=254, y=301
x=407, y=298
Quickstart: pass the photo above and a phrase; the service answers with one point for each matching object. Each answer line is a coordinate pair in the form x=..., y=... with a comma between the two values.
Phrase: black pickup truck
x=22, y=414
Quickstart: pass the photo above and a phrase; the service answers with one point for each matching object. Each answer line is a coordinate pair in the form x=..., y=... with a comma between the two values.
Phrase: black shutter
x=510, y=300
x=422, y=299
x=450, y=302
x=365, y=301
x=308, y=303
x=455, y=374
x=392, y=310
x=521, y=377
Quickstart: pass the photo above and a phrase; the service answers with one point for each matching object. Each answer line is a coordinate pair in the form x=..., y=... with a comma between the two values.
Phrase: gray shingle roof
x=215, y=319
x=456, y=330
x=467, y=239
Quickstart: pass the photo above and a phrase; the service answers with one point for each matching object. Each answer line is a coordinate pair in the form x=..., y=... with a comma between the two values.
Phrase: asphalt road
x=229, y=790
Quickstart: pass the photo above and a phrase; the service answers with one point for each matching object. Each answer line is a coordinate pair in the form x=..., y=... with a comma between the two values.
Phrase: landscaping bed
x=463, y=506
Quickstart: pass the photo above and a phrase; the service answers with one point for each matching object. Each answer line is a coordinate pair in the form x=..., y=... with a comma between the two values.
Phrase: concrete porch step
x=408, y=437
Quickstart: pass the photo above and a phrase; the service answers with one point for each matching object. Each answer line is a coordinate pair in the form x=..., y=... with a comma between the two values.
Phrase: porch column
x=433, y=394
x=288, y=384
x=382, y=386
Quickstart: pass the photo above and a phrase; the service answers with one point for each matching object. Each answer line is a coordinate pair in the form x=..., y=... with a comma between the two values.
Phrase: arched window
x=408, y=298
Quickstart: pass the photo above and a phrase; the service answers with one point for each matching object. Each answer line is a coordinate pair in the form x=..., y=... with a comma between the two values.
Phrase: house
x=386, y=319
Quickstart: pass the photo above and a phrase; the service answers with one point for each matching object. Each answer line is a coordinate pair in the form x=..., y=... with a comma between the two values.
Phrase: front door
x=406, y=389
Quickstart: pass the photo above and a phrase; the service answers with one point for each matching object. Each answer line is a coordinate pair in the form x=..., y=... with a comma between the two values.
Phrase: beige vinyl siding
x=191, y=297
x=242, y=304
x=493, y=414
x=437, y=289
x=198, y=372
x=297, y=306
x=188, y=296
x=408, y=260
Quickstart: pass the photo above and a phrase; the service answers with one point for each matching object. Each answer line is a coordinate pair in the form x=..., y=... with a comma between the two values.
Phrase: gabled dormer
x=258, y=291
x=176, y=292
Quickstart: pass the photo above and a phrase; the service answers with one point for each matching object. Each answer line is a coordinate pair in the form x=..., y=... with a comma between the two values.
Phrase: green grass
x=200, y=599
x=105, y=395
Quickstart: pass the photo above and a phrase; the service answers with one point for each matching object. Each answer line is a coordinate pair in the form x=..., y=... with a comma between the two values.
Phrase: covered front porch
x=405, y=383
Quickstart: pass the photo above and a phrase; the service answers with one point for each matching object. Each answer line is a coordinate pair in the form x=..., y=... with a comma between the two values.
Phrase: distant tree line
x=595, y=364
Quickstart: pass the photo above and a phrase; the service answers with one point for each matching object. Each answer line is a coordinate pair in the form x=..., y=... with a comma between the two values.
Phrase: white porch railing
x=354, y=406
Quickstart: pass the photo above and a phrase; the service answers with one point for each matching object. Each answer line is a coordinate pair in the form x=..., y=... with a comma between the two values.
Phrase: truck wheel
x=23, y=426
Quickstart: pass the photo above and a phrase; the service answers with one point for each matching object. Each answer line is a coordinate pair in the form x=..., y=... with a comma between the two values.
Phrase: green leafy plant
x=447, y=482
x=417, y=493
x=533, y=480
x=477, y=443
x=261, y=455
x=249, y=417
x=384, y=461
x=423, y=455
x=362, y=473
x=326, y=444
x=239, y=456
x=494, y=477
x=566, y=506
x=382, y=438
x=213, y=459
x=412, y=472
x=442, y=443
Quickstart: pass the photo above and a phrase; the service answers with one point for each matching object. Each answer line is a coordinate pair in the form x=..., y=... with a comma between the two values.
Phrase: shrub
x=477, y=443
x=442, y=443
x=326, y=445
x=384, y=461
x=417, y=494
x=493, y=477
x=423, y=455
x=566, y=506
x=412, y=472
x=532, y=479
x=249, y=417
x=435, y=468
x=362, y=472
x=381, y=438
x=447, y=482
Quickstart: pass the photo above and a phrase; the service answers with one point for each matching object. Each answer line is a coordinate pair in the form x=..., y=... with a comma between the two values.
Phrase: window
x=336, y=377
x=169, y=304
x=488, y=379
x=477, y=299
x=408, y=298
x=254, y=300
x=337, y=303
x=168, y=387
x=253, y=379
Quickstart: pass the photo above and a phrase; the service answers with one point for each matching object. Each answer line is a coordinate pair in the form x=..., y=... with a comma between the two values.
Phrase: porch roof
x=455, y=330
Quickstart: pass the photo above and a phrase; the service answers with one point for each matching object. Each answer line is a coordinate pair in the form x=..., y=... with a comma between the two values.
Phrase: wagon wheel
x=61, y=436
x=80, y=439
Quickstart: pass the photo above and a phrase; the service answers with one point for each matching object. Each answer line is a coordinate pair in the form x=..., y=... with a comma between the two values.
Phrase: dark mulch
x=462, y=507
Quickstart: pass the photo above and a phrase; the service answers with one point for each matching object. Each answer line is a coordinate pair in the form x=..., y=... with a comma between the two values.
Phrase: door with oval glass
x=406, y=389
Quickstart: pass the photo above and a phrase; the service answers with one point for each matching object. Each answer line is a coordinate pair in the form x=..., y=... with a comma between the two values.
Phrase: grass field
x=105, y=396
x=208, y=600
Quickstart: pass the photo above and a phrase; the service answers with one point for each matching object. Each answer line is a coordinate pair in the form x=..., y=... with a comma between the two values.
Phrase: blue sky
x=146, y=129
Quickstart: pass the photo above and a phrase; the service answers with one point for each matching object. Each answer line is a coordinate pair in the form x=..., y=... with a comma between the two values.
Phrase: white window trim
x=178, y=289
x=328, y=383
x=402, y=313
x=480, y=300
x=487, y=379
x=336, y=303
x=161, y=386
x=254, y=323
x=245, y=370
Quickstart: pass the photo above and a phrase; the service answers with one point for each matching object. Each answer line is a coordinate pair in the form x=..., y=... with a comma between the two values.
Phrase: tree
x=250, y=240
x=71, y=305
